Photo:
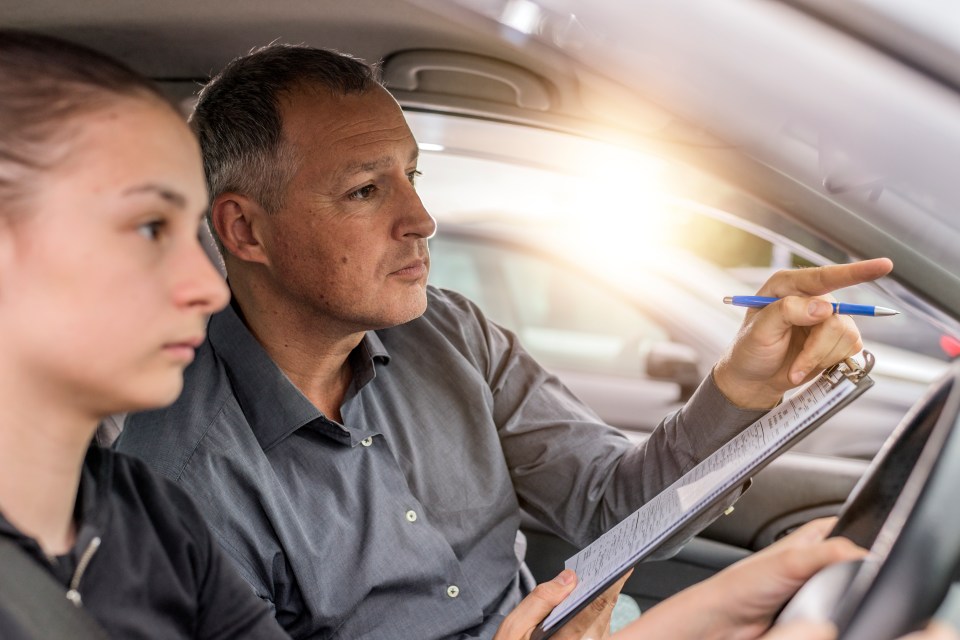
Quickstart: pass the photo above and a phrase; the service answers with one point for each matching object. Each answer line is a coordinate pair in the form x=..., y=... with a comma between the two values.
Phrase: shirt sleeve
x=227, y=606
x=579, y=476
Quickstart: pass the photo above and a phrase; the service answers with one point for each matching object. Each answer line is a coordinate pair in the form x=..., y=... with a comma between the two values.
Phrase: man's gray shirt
x=402, y=521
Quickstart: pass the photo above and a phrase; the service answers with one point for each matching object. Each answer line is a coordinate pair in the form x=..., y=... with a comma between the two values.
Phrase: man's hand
x=593, y=623
x=790, y=341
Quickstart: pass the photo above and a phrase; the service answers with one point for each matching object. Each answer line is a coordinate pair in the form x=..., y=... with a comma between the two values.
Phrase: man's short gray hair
x=238, y=120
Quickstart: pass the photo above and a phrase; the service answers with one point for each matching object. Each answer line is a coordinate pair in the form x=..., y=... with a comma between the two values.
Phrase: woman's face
x=104, y=287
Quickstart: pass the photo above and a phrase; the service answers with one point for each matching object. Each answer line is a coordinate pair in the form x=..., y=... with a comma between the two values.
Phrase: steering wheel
x=905, y=511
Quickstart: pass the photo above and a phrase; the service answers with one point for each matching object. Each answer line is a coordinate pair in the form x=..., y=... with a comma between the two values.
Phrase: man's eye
x=413, y=175
x=362, y=193
x=151, y=230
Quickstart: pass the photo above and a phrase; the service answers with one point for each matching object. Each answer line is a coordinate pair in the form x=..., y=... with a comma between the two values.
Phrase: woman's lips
x=183, y=350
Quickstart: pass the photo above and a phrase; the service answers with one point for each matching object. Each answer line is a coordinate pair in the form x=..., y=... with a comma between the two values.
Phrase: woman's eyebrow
x=166, y=193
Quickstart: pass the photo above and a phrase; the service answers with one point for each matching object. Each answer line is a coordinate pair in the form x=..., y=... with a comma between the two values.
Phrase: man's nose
x=417, y=221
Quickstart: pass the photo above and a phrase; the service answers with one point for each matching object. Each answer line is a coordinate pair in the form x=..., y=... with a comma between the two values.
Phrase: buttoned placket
x=411, y=517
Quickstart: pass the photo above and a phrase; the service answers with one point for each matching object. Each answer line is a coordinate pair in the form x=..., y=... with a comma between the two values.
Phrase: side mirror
x=674, y=362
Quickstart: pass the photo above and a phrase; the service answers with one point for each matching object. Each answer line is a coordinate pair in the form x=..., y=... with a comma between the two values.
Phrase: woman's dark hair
x=45, y=83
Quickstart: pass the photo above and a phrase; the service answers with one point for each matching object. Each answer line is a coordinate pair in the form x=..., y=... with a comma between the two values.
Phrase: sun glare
x=621, y=207
x=608, y=204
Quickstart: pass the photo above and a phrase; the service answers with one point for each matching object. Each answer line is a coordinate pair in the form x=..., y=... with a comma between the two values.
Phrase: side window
x=563, y=318
x=753, y=255
x=455, y=267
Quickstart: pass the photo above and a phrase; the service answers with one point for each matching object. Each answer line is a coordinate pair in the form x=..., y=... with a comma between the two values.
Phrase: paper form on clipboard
x=606, y=559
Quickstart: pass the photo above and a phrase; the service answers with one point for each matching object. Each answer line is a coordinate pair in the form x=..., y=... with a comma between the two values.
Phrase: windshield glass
x=621, y=216
x=873, y=165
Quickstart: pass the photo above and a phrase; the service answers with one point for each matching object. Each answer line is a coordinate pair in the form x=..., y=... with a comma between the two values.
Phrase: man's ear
x=239, y=221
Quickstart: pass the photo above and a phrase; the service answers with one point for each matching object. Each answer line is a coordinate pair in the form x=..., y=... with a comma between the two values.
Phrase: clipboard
x=610, y=556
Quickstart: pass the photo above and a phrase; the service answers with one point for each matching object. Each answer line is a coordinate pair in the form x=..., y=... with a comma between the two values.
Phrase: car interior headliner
x=180, y=43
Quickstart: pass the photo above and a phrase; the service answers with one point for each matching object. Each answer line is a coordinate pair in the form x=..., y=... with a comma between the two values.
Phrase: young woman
x=104, y=294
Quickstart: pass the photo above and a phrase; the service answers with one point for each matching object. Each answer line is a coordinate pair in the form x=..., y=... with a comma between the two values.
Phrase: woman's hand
x=740, y=602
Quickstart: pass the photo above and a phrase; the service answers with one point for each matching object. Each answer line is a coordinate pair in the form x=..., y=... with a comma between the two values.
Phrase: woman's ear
x=238, y=222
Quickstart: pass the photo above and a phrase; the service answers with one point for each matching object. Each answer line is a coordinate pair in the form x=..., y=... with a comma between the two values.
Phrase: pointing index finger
x=818, y=281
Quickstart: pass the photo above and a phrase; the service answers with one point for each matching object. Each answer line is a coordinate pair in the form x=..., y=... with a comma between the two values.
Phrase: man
x=361, y=444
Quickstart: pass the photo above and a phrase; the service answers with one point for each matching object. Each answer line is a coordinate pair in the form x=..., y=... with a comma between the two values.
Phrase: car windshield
x=619, y=213
x=611, y=264
x=902, y=187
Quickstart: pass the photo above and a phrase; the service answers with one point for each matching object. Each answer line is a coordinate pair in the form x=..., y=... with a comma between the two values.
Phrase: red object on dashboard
x=950, y=345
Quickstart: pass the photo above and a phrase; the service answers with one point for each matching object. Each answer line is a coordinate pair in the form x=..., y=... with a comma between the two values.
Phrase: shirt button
x=453, y=591
x=411, y=516
x=367, y=441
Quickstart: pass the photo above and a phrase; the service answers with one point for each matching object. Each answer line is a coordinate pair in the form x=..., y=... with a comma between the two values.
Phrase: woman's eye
x=151, y=230
x=363, y=193
x=413, y=175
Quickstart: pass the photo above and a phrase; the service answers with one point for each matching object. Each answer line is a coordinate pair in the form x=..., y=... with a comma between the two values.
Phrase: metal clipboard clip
x=850, y=369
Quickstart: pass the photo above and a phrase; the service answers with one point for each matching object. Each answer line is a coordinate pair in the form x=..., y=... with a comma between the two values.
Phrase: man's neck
x=313, y=354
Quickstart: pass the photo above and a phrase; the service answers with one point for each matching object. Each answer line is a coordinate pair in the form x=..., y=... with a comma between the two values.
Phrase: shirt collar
x=362, y=359
x=272, y=404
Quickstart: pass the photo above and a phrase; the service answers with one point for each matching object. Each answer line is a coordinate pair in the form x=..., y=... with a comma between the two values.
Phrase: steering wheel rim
x=902, y=510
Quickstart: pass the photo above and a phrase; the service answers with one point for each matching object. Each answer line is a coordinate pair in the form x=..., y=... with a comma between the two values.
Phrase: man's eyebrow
x=362, y=166
x=170, y=195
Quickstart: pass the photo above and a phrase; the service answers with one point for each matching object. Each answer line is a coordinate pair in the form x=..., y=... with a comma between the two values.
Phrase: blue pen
x=841, y=308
